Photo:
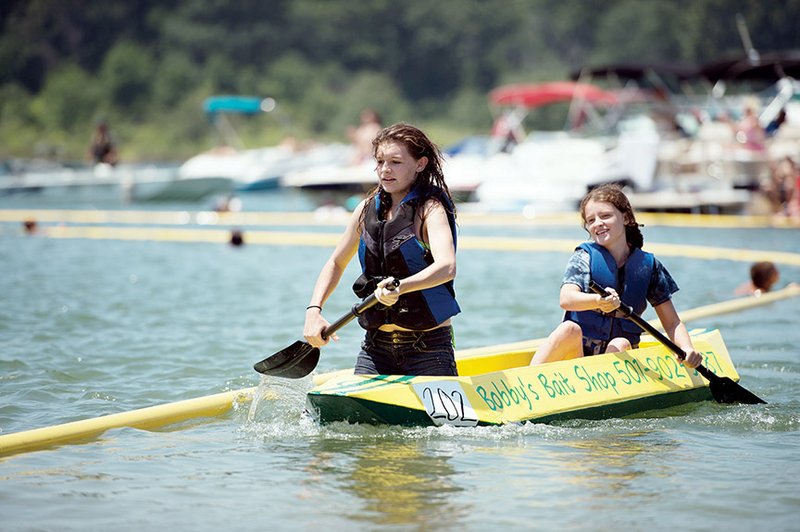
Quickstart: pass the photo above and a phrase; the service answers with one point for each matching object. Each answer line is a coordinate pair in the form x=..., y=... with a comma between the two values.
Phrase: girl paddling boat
x=615, y=260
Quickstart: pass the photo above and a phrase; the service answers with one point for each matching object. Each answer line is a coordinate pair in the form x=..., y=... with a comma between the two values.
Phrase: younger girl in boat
x=405, y=229
x=615, y=260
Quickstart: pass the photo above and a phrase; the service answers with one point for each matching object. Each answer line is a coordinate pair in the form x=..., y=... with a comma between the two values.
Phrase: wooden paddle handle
x=358, y=309
x=638, y=320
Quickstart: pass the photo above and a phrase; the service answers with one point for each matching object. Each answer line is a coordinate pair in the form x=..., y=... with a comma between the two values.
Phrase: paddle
x=723, y=389
x=300, y=358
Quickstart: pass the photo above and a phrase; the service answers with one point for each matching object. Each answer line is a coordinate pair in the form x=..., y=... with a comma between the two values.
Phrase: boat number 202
x=446, y=403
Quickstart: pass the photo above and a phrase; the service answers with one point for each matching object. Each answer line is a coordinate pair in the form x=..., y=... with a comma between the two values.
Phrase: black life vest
x=391, y=249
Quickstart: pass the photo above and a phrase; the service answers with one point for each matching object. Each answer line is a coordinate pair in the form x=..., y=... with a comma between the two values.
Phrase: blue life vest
x=638, y=272
x=391, y=248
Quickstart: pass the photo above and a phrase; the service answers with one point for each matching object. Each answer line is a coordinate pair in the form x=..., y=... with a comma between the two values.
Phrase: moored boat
x=497, y=386
x=253, y=169
x=102, y=182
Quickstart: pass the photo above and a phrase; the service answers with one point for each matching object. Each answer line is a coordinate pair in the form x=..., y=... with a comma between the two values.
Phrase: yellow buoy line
x=673, y=250
x=144, y=418
x=492, y=243
x=210, y=406
x=339, y=217
x=70, y=216
x=180, y=234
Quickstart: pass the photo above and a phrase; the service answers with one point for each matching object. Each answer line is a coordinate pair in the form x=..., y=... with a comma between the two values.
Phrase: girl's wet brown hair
x=613, y=194
x=418, y=145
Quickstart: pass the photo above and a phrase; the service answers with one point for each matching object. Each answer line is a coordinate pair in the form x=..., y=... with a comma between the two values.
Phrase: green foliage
x=368, y=89
x=126, y=80
x=469, y=111
x=15, y=104
x=69, y=97
x=147, y=66
x=650, y=42
x=172, y=79
x=18, y=129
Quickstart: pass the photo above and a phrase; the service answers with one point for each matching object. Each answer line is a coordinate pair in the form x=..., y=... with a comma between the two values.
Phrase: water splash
x=275, y=397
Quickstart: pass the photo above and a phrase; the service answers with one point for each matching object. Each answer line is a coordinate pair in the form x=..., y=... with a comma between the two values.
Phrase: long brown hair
x=418, y=145
x=613, y=194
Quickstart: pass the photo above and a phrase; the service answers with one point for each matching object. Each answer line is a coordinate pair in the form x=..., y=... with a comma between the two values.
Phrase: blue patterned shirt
x=660, y=289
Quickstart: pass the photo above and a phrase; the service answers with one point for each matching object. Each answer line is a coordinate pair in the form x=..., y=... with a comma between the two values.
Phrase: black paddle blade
x=293, y=362
x=725, y=390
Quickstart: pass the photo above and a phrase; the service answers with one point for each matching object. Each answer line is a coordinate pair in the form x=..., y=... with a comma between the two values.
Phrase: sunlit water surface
x=93, y=327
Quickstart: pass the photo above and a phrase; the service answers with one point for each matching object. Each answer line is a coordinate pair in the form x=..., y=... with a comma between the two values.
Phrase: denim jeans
x=407, y=353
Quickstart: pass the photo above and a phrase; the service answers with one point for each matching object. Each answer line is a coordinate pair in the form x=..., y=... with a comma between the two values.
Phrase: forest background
x=145, y=66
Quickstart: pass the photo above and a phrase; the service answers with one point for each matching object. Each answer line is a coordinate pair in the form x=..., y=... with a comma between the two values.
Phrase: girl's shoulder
x=432, y=202
x=432, y=205
x=357, y=216
x=360, y=206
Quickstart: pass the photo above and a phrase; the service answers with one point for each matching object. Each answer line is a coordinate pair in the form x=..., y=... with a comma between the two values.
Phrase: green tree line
x=145, y=66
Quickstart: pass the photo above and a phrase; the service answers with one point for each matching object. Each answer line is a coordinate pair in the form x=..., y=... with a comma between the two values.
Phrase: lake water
x=92, y=327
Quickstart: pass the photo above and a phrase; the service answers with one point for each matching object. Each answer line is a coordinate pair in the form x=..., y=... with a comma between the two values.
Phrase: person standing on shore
x=102, y=149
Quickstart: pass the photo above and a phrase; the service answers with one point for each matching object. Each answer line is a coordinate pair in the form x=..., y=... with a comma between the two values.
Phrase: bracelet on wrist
x=314, y=306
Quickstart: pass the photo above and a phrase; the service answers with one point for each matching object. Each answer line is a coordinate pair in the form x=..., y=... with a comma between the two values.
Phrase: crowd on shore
x=782, y=188
x=777, y=187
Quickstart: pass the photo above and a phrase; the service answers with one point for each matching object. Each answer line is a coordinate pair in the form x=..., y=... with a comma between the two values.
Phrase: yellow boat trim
x=491, y=392
x=519, y=353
